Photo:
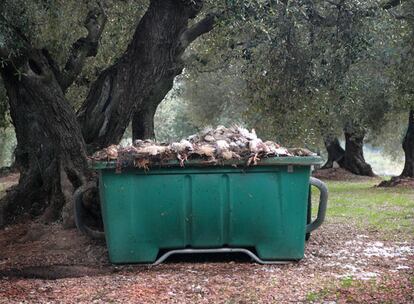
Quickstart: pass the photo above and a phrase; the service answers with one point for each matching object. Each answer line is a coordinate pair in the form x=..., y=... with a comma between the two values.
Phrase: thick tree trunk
x=335, y=152
x=143, y=119
x=142, y=77
x=153, y=55
x=354, y=160
x=408, y=147
x=51, y=154
x=143, y=123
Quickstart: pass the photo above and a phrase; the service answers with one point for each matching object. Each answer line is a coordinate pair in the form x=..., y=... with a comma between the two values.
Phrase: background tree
x=309, y=68
x=402, y=73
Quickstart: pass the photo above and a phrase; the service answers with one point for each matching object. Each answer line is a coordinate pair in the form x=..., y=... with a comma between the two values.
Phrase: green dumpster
x=151, y=214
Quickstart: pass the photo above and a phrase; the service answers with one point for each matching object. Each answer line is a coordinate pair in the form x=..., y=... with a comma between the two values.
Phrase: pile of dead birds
x=210, y=146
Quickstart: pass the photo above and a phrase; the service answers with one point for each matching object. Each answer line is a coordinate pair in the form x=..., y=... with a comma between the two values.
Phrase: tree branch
x=203, y=26
x=4, y=52
x=403, y=17
x=317, y=19
x=391, y=4
x=194, y=6
x=334, y=3
x=84, y=47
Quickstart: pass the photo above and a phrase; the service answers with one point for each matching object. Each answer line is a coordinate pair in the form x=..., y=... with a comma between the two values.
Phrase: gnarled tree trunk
x=335, y=152
x=153, y=56
x=408, y=147
x=143, y=119
x=354, y=160
x=51, y=153
x=143, y=122
x=135, y=85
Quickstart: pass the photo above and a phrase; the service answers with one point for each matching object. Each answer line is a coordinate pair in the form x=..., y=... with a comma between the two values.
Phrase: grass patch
x=347, y=282
x=351, y=290
x=389, y=210
x=317, y=296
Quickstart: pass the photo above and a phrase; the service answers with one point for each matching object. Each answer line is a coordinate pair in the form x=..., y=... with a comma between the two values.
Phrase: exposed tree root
x=398, y=181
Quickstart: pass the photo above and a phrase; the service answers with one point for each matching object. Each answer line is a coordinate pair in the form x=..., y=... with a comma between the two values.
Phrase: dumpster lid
x=270, y=161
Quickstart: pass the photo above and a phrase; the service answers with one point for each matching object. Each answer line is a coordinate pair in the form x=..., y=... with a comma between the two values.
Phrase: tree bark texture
x=335, y=152
x=408, y=147
x=143, y=119
x=53, y=139
x=50, y=154
x=354, y=160
x=152, y=58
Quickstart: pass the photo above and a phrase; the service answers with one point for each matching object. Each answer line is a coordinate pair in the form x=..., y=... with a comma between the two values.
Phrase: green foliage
x=311, y=85
x=404, y=72
x=45, y=24
x=294, y=70
x=171, y=121
x=308, y=68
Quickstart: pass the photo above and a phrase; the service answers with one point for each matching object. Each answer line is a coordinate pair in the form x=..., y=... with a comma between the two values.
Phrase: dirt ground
x=339, y=174
x=46, y=264
x=342, y=264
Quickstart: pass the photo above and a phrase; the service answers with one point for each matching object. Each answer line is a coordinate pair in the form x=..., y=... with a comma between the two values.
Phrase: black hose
x=79, y=211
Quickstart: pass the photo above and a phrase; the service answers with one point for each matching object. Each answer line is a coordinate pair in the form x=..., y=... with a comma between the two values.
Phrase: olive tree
x=41, y=59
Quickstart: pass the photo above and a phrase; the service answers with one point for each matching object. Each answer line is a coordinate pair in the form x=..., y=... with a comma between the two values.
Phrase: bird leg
x=182, y=159
x=253, y=159
x=142, y=163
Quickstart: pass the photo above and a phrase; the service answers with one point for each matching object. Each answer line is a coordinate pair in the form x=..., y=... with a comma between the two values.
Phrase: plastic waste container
x=262, y=211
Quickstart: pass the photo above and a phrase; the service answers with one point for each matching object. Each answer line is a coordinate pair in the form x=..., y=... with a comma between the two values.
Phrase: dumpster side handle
x=79, y=212
x=323, y=202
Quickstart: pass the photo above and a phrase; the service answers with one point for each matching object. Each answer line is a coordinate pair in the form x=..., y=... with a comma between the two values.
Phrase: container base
x=166, y=255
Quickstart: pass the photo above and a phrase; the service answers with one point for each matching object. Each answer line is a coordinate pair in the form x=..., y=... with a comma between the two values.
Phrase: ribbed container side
x=258, y=207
